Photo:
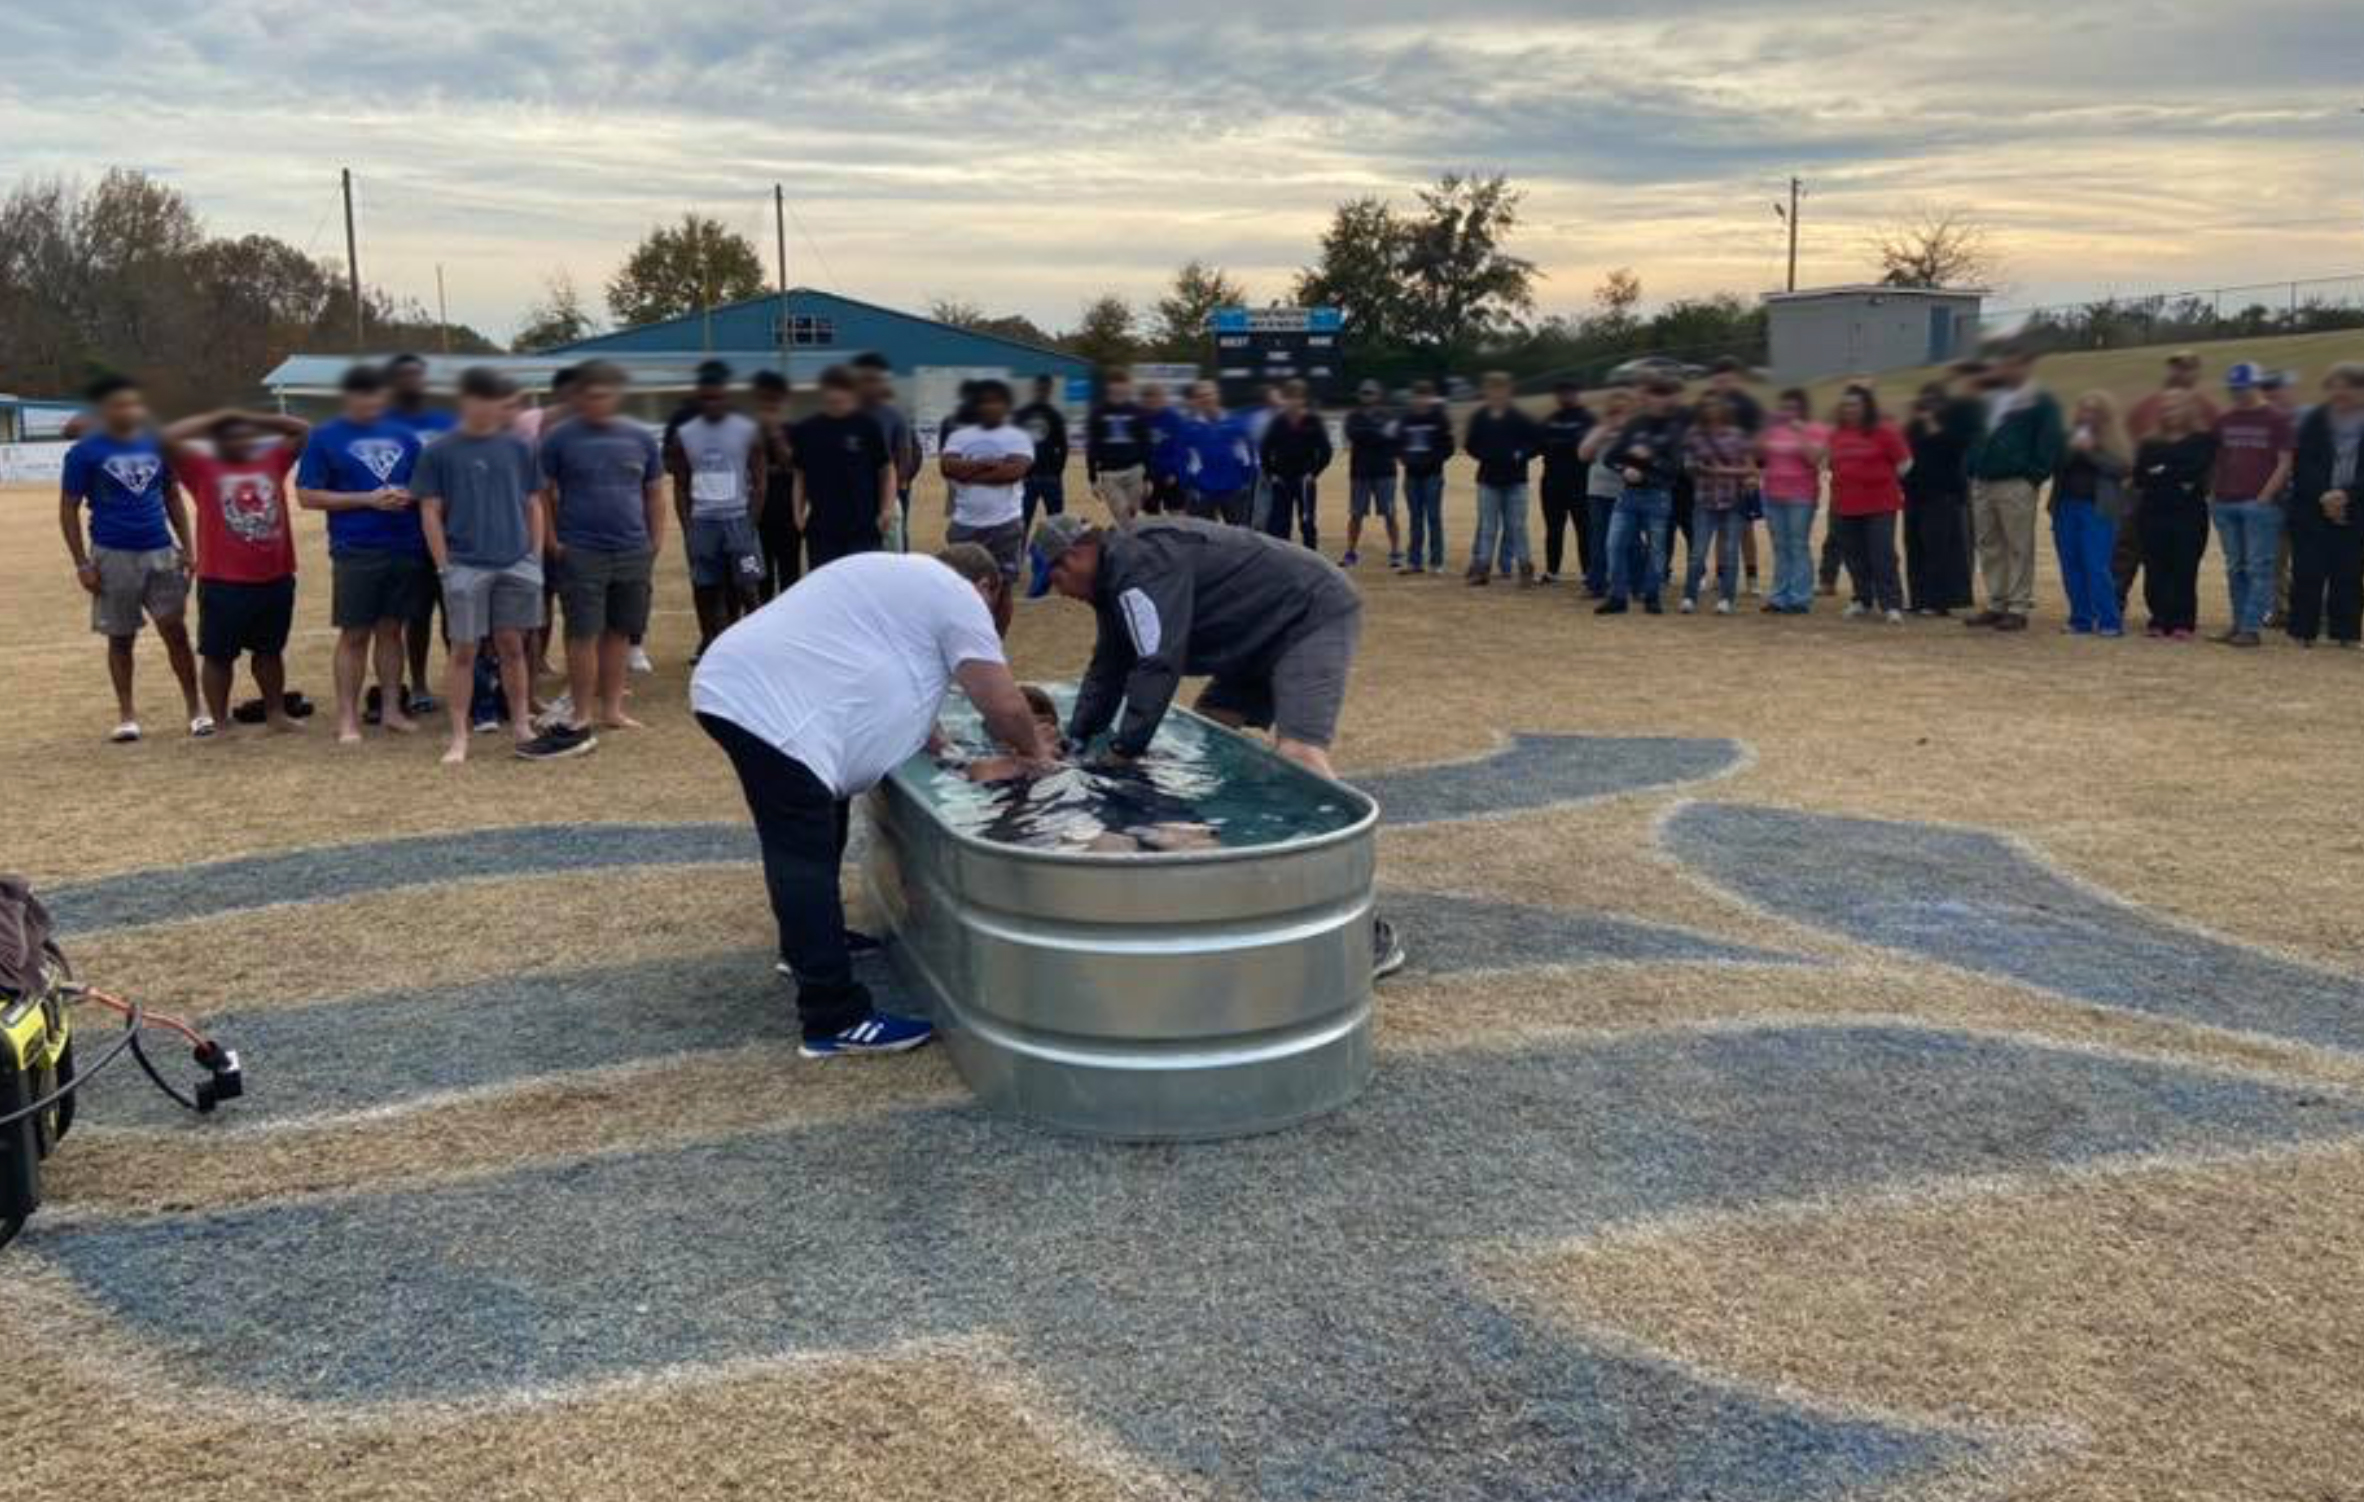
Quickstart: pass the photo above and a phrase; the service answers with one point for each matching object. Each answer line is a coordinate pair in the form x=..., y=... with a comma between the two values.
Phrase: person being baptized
x=1109, y=811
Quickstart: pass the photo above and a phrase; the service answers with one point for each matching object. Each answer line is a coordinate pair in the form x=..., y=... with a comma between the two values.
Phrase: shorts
x=133, y=583
x=1006, y=542
x=235, y=617
x=724, y=549
x=369, y=587
x=1368, y=493
x=606, y=590
x=1299, y=693
x=480, y=601
x=1123, y=490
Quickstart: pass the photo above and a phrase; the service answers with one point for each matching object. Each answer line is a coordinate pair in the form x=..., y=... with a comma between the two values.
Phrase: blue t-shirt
x=601, y=472
x=354, y=459
x=122, y=480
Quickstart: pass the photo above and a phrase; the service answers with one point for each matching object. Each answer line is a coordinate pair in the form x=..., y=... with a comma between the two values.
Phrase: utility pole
x=442, y=309
x=780, y=234
x=1789, y=216
x=353, y=267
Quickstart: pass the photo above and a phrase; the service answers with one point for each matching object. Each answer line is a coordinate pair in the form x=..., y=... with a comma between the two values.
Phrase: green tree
x=1103, y=334
x=679, y=269
x=1363, y=271
x=1180, y=332
x=1461, y=283
x=559, y=318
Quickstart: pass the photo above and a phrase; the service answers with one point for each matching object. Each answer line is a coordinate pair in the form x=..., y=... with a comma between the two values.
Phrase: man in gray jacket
x=1273, y=625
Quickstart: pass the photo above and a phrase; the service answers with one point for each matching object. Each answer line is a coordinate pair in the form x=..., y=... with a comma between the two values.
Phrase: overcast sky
x=1028, y=155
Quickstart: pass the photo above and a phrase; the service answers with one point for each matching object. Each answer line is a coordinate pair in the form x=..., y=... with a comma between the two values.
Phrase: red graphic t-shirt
x=243, y=535
x=1863, y=470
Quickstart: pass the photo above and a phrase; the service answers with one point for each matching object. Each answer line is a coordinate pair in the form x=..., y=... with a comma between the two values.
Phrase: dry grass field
x=1957, y=1094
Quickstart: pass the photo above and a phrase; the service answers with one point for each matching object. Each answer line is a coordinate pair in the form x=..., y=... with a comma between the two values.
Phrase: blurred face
x=2175, y=417
x=1658, y=403
x=1423, y=400
x=598, y=401
x=365, y=406
x=2089, y=413
x=1205, y=399
x=1497, y=392
x=1851, y=411
x=837, y=401
x=1077, y=571
x=873, y=386
x=993, y=409
x=485, y=414
x=1370, y=398
x=1293, y=403
x=1042, y=391
x=2344, y=396
x=1570, y=399
x=123, y=413
x=237, y=441
x=1154, y=398
x=1120, y=392
x=770, y=405
x=1792, y=409
x=409, y=383
x=714, y=401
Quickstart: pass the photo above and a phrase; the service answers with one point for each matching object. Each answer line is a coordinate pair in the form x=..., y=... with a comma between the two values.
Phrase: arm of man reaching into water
x=1008, y=718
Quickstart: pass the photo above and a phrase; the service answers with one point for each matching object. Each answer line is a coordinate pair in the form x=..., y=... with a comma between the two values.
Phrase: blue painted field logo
x=1292, y=1316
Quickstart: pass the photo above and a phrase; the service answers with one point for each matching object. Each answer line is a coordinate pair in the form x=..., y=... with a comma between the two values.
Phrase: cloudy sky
x=1027, y=155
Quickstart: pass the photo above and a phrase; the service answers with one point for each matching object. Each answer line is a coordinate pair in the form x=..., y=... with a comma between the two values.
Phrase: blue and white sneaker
x=876, y=1033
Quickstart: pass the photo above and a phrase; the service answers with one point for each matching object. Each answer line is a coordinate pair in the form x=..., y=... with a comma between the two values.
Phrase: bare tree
x=1936, y=246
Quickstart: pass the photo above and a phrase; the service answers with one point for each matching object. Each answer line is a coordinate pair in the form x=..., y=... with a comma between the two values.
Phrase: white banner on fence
x=32, y=463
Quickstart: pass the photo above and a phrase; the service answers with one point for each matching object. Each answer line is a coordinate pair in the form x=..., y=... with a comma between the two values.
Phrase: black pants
x=2125, y=559
x=1834, y=552
x=1293, y=500
x=1937, y=549
x=1870, y=545
x=2174, y=540
x=1563, y=508
x=802, y=826
x=2326, y=581
x=783, y=545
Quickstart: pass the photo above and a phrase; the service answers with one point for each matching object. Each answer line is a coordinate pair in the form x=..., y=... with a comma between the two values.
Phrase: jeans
x=1597, y=511
x=1424, y=500
x=1792, y=526
x=1050, y=493
x=1720, y=530
x=1501, y=527
x=2086, y=539
x=1221, y=505
x=802, y=827
x=1368, y=495
x=2251, y=532
x=1870, y=545
x=1646, y=516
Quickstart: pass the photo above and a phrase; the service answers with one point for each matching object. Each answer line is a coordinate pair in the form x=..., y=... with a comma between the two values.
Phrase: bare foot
x=522, y=731
x=281, y=725
x=348, y=735
x=619, y=721
x=400, y=724
x=456, y=755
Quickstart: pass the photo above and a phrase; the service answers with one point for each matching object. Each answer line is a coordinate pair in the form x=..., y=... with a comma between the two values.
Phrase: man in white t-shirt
x=817, y=697
x=987, y=463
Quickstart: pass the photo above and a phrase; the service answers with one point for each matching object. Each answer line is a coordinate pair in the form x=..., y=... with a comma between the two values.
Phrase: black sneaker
x=1611, y=606
x=1651, y=605
x=558, y=743
x=1387, y=950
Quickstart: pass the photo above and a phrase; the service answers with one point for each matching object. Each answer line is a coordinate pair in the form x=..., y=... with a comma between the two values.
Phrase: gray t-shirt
x=716, y=452
x=601, y=472
x=485, y=484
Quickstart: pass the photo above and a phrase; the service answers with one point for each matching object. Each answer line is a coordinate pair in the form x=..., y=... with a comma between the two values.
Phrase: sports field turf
x=1836, y=1061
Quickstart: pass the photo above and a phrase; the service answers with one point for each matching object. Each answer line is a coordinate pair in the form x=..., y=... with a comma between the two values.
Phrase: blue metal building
x=818, y=329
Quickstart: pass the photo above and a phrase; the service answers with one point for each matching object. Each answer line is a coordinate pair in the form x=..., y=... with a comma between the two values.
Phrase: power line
x=818, y=254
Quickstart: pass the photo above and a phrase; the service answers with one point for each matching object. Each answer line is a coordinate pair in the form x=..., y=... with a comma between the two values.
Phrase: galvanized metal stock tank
x=1154, y=996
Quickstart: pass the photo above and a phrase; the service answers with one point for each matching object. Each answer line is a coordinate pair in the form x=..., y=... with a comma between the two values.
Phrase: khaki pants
x=2003, y=518
x=1122, y=490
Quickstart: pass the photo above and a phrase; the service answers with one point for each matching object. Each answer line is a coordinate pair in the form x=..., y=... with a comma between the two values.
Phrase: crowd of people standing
x=502, y=517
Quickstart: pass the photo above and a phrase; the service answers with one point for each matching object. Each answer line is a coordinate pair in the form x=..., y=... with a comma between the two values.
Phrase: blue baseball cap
x=1053, y=536
x=2244, y=376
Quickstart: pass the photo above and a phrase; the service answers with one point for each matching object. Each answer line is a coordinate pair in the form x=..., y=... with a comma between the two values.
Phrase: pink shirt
x=1787, y=449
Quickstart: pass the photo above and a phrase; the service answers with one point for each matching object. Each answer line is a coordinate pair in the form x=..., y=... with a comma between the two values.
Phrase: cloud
x=1027, y=158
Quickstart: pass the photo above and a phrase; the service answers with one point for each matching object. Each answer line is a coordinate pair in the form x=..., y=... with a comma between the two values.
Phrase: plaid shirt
x=1704, y=453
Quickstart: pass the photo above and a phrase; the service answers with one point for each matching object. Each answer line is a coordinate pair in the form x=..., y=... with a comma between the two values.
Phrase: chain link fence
x=2255, y=310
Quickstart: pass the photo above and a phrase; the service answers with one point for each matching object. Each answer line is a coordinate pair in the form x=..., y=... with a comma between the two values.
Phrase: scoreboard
x=1259, y=347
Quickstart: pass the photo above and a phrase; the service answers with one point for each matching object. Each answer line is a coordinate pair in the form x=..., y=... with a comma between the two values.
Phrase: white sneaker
x=126, y=733
x=1855, y=609
x=638, y=662
x=1688, y=606
x=1723, y=607
x=559, y=711
x=1895, y=617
